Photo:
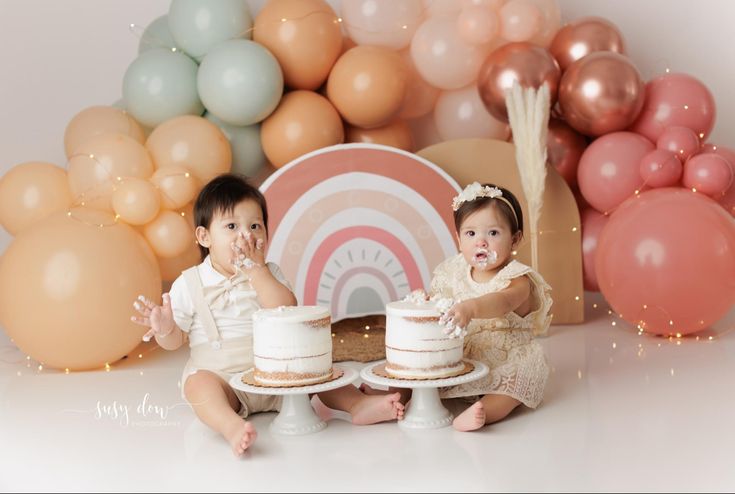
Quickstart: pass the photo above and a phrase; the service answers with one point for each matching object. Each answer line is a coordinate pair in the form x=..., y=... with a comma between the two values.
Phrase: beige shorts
x=250, y=403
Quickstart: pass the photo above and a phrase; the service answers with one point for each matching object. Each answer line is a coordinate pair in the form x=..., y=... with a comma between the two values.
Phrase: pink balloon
x=676, y=100
x=708, y=173
x=727, y=199
x=660, y=168
x=609, y=170
x=389, y=23
x=680, y=140
x=477, y=25
x=668, y=276
x=520, y=20
x=461, y=114
x=592, y=224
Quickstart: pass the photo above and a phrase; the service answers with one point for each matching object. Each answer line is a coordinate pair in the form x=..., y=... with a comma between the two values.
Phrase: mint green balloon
x=156, y=35
x=240, y=82
x=248, y=157
x=161, y=84
x=199, y=25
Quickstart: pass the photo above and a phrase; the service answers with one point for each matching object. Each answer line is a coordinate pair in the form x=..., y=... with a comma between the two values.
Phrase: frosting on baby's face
x=485, y=239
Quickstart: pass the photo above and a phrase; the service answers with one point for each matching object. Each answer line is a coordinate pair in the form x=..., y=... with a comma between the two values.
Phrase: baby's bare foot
x=241, y=436
x=377, y=408
x=471, y=419
x=368, y=390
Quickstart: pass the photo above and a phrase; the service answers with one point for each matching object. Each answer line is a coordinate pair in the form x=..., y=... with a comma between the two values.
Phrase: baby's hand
x=456, y=319
x=248, y=251
x=160, y=318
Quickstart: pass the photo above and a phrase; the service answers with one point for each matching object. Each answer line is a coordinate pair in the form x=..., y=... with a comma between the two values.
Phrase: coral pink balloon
x=519, y=20
x=420, y=95
x=609, y=170
x=31, y=191
x=440, y=55
x=99, y=162
x=192, y=142
x=525, y=63
x=477, y=25
x=666, y=261
x=660, y=168
x=592, y=224
x=676, y=100
x=680, y=140
x=388, y=23
x=461, y=114
x=601, y=93
x=708, y=173
x=367, y=85
x=564, y=148
x=583, y=36
x=727, y=199
x=97, y=120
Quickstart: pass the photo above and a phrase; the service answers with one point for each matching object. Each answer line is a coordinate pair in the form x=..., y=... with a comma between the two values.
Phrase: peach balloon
x=583, y=36
x=550, y=21
x=420, y=95
x=424, y=132
x=527, y=64
x=368, y=85
x=136, y=201
x=306, y=44
x=601, y=93
x=100, y=162
x=564, y=147
x=67, y=287
x=389, y=23
x=442, y=58
x=461, y=114
x=396, y=134
x=177, y=186
x=477, y=25
x=31, y=191
x=192, y=142
x=169, y=234
x=519, y=20
x=592, y=224
x=666, y=261
x=97, y=120
x=303, y=122
x=442, y=8
x=171, y=267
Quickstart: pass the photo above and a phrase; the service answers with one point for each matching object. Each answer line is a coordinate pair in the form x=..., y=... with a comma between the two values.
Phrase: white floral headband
x=476, y=190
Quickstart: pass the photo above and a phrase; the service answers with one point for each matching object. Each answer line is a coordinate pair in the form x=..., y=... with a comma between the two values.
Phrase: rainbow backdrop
x=356, y=226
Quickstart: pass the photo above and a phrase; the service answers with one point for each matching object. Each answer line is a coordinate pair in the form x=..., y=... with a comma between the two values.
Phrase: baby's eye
x=494, y=233
x=231, y=226
x=255, y=226
x=470, y=233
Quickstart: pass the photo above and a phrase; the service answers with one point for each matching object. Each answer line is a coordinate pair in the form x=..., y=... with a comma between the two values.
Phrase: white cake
x=292, y=345
x=416, y=346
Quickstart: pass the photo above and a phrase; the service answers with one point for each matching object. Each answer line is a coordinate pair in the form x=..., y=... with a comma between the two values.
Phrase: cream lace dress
x=518, y=366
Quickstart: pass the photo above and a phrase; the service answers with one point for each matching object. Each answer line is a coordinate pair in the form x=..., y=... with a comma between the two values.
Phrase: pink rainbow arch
x=332, y=242
x=342, y=280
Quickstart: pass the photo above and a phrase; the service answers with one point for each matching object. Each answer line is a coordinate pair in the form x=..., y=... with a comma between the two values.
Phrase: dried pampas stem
x=528, y=113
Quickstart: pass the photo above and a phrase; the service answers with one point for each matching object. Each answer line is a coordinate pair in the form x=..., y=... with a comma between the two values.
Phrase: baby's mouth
x=482, y=257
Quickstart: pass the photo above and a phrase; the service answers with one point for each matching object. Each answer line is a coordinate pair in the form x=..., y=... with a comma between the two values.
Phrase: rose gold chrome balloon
x=583, y=36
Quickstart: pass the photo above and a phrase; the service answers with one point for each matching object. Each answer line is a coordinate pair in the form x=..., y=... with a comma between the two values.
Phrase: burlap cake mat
x=361, y=339
x=379, y=370
x=248, y=378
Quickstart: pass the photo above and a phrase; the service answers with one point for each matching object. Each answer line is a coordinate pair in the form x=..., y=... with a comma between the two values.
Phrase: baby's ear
x=517, y=237
x=202, y=236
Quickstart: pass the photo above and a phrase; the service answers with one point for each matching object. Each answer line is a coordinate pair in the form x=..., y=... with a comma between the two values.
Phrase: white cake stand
x=297, y=416
x=425, y=410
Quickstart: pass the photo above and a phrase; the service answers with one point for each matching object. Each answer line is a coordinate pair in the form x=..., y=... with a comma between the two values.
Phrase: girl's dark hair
x=469, y=207
x=221, y=195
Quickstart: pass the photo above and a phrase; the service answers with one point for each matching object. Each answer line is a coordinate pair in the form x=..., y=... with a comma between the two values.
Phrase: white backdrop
x=60, y=56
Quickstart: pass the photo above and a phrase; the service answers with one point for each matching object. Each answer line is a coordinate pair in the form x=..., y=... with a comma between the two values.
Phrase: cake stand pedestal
x=297, y=416
x=425, y=410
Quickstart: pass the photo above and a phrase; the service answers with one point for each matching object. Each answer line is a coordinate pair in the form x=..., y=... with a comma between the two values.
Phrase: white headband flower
x=473, y=191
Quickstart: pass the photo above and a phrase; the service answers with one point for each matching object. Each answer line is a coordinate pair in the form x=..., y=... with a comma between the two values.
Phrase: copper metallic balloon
x=564, y=147
x=601, y=93
x=530, y=65
x=583, y=36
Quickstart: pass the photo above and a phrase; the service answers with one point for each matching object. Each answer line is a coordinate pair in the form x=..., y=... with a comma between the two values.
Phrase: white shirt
x=234, y=320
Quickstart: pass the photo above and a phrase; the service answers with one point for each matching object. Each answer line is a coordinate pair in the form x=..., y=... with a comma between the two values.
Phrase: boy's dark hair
x=470, y=207
x=221, y=195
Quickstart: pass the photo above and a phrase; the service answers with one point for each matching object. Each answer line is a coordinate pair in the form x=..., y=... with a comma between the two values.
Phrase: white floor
x=622, y=412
